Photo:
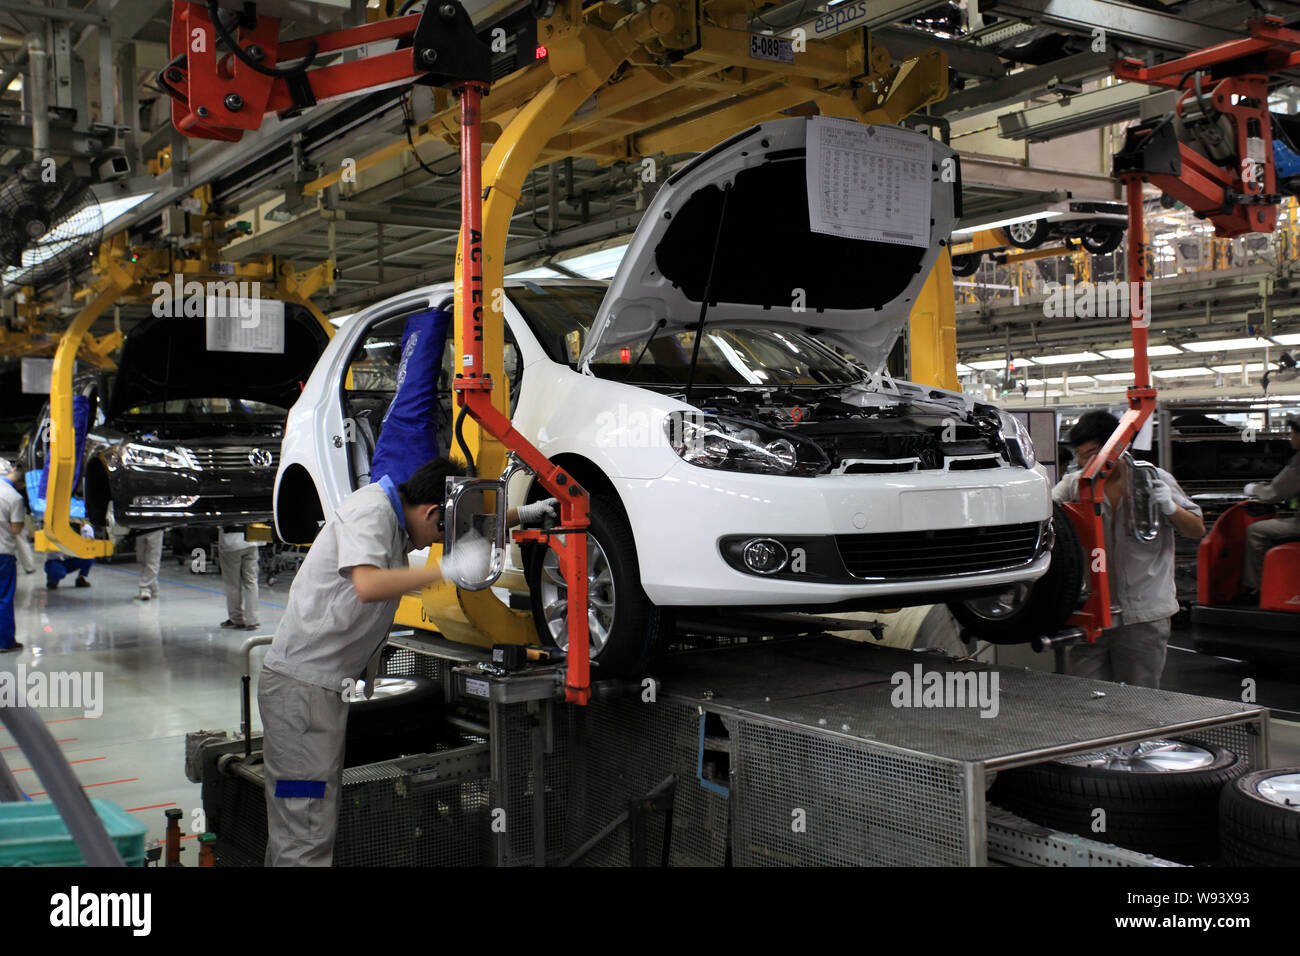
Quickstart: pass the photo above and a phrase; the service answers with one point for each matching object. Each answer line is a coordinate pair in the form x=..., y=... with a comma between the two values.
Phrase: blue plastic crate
x=33, y=834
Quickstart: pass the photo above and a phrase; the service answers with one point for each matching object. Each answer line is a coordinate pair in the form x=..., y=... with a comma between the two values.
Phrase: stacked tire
x=1169, y=809
x=1259, y=819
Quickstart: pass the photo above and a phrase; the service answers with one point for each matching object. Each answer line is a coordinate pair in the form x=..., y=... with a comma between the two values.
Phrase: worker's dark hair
x=428, y=486
x=1096, y=425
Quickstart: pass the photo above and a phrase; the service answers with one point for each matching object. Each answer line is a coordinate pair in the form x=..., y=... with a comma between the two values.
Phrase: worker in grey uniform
x=237, y=557
x=1140, y=573
x=341, y=605
x=1262, y=535
x=148, y=553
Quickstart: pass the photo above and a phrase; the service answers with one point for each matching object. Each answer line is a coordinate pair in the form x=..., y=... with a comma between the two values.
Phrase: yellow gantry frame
x=676, y=77
x=129, y=274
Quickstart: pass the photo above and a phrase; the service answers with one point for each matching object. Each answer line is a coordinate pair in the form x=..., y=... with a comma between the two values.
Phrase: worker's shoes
x=143, y=596
x=11, y=647
x=83, y=583
x=230, y=625
x=251, y=627
x=51, y=585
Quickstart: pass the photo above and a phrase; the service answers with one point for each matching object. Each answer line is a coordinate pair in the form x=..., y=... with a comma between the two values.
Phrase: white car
x=798, y=476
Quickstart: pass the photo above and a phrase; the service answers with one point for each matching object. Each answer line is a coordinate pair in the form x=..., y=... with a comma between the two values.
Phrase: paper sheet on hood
x=869, y=182
x=245, y=325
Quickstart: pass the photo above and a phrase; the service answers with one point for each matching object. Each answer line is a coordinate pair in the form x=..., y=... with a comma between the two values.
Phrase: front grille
x=938, y=554
x=233, y=458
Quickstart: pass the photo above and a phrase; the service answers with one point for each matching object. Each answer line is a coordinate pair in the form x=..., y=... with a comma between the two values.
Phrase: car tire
x=1042, y=607
x=1169, y=810
x=636, y=632
x=1102, y=240
x=404, y=716
x=1027, y=235
x=966, y=265
x=1255, y=830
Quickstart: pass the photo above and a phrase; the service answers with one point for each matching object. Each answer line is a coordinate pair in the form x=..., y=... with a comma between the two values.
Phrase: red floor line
x=65, y=740
x=152, y=806
x=83, y=760
x=193, y=836
x=105, y=783
x=64, y=720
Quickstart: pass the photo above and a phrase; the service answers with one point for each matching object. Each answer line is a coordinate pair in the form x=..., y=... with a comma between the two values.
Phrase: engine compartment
x=865, y=431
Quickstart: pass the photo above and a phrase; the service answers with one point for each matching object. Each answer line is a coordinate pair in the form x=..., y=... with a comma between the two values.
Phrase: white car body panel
x=679, y=511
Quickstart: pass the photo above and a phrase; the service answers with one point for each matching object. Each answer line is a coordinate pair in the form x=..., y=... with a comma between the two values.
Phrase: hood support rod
x=708, y=293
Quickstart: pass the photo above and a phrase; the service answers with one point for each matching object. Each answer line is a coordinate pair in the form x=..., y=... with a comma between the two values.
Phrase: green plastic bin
x=33, y=834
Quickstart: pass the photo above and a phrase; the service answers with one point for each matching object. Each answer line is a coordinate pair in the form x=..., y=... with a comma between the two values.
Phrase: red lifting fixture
x=228, y=71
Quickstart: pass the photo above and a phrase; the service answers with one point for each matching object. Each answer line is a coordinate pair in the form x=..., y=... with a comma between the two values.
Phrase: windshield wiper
x=708, y=291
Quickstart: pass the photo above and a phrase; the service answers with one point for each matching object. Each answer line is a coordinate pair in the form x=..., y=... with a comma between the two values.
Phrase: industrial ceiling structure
x=372, y=184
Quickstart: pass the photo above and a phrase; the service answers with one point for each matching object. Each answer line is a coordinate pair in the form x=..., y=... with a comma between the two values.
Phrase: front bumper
x=683, y=522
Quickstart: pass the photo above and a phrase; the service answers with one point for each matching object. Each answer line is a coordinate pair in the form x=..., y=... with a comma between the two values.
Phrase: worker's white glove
x=537, y=510
x=1164, y=497
x=87, y=531
x=1251, y=490
x=469, y=561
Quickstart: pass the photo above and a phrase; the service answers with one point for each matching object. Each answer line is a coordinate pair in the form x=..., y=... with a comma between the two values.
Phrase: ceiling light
x=1227, y=345
x=1180, y=372
x=1114, y=377
x=596, y=265
x=1291, y=338
x=987, y=364
x=1074, y=379
x=964, y=368
x=1152, y=350
x=977, y=225
x=1068, y=358
x=1230, y=369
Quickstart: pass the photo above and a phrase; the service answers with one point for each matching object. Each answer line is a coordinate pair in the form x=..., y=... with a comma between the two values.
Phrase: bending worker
x=1141, y=573
x=1262, y=535
x=341, y=605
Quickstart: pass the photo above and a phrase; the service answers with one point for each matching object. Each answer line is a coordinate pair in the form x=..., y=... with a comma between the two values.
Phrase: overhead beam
x=1151, y=28
x=1019, y=86
x=1110, y=104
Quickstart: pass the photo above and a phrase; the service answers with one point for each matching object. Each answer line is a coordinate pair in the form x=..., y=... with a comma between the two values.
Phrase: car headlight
x=733, y=444
x=1015, y=436
x=146, y=456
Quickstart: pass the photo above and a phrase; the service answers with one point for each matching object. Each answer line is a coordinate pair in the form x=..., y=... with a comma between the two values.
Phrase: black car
x=181, y=435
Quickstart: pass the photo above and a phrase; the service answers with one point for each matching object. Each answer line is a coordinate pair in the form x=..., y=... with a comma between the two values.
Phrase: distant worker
x=237, y=557
x=17, y=477
x=1262, y=535
x=148, y=554
x=13, y=510
x=1141, y=573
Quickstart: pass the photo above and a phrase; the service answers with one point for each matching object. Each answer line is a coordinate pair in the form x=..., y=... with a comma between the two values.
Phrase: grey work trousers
x=239, y=577
x=148, y=553
x=1128, y=654
x=1261, y=536
x=304, y=730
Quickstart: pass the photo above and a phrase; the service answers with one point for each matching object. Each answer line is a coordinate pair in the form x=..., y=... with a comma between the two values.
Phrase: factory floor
x=168, y=669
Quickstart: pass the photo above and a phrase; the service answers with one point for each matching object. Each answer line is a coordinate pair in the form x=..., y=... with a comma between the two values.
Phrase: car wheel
x=627, y=632
x=403, y=717
x=1158, y=796
x=1259, y=819
x=1022, y=612
x=966, y=265
x=1027, y=235
x=1101, y=240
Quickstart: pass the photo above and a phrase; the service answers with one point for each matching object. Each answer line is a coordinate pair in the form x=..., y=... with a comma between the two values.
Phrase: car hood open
x=772, y=268
x=166, y=358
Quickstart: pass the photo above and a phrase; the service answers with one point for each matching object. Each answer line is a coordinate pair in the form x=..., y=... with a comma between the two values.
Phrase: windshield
x=209, y=408
x=561, y=316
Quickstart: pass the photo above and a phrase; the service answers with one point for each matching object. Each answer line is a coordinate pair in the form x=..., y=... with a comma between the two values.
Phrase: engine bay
x=901, y=428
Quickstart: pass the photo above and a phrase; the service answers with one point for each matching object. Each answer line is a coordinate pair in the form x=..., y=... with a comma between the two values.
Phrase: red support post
x=474, y=392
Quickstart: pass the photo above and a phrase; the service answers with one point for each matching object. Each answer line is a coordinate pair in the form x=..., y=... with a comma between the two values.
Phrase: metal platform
x=786, y=752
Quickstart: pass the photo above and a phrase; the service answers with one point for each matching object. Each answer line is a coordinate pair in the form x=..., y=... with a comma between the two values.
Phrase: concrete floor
x=168, y=670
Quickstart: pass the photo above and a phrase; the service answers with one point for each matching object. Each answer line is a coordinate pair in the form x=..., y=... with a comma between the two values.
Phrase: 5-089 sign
x=778, y=49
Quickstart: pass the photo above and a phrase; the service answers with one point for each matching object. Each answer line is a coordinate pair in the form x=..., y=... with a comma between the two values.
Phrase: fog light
x=764, y=555
x=163, y=501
